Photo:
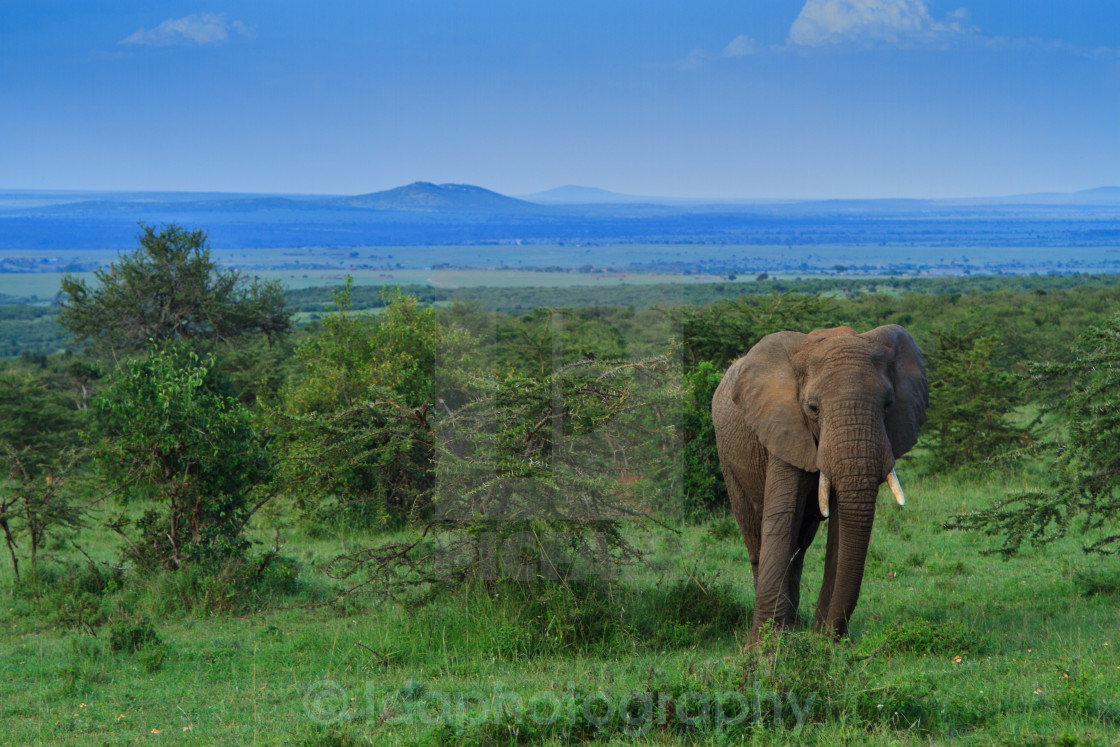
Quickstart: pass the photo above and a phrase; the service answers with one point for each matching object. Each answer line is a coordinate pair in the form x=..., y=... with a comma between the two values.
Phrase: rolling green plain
x=947, y=646
x=44, y=286
x=950, y=644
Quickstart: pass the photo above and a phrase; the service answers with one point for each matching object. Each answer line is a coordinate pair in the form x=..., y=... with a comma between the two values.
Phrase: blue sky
x=754, y=98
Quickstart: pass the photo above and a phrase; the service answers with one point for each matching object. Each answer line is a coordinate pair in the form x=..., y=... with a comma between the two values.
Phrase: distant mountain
x=1100, y=196
x=571, y=194
x=424, y=214
x=428, y=197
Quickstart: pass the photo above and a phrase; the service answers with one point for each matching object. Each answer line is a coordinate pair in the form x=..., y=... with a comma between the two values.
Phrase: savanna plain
x=237, y=530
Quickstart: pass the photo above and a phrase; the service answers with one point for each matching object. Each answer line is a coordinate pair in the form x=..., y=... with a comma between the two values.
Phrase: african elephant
x=822, y=414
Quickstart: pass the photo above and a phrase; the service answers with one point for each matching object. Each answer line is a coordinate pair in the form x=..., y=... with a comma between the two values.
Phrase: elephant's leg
x=747, y=515
x=792, y=590
x=782, y=513
x=830, y=555
x=744, y=473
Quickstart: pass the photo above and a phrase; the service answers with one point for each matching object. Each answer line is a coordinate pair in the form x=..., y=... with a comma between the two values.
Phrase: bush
x=971, y=399
x=169, y=288
x=688, y=611
x=130, y=636
x=1085, y=471
x=165, y=431
x=704, y=489
x=356, y=426
x=951, y=637
x=233, y=584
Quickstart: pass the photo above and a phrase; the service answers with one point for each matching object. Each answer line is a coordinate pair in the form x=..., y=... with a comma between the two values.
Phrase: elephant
x=822, y=414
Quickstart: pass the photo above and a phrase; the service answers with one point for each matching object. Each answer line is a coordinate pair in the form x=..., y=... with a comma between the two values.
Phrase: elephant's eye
x=813, y=408
x=889, y=404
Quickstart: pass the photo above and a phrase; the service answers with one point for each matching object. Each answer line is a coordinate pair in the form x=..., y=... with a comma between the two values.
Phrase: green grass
x=45, y=285
x=962, y=648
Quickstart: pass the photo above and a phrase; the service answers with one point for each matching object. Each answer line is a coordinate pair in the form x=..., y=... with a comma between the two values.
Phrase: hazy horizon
x=529, y=197
x=791, y=99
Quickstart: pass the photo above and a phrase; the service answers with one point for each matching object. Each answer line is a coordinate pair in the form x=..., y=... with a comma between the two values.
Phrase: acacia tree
x=169, y=288
x=38, y=452
x=1085, y=476
x=165, y=431
x=355, y=422
x=971, y=399
x=538, y=477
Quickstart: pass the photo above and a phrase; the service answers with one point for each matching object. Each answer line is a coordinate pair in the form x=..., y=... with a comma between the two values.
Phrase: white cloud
x=830, y=21
x=740, y=46
x=696, y=58
x=199, y=28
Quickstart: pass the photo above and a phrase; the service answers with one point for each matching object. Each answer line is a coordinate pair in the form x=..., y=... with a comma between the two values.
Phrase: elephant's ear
x=911, y=394
x=766, y=393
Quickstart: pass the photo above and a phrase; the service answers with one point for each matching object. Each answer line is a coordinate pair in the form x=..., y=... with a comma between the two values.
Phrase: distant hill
x=571, y=194
x=435, y=215
x=1098, y=196
x=428, y=197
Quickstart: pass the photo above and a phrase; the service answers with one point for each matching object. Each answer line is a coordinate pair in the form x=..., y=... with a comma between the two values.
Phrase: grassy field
x=470, y=278
x=947, y=646
x=45, y=285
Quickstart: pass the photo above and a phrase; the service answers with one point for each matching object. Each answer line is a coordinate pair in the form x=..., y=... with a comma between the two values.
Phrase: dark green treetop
x=1084, y=489
x=169, y=288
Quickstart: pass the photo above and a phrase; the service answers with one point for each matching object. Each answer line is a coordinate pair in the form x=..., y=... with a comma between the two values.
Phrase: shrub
x=164, y=431
x=971, y=399
x=704, y=490
x=130, y=636
x=356, y=426
x=169, y=288
x=947, y=638
x=688, y=611
x=1085, y=472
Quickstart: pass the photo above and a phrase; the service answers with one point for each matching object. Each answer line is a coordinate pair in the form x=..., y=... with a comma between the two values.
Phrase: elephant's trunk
x=854, y=536
x=856, y=457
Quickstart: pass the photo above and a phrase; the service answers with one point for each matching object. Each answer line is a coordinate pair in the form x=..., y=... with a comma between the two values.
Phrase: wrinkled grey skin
x=797, y=404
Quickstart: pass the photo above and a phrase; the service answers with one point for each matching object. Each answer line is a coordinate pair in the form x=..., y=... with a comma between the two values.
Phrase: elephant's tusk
x=822, y=494
x=896, y=488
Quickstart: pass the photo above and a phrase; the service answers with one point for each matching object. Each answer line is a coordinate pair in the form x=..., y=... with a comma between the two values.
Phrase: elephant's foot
x=768, y=629
x=836, y=629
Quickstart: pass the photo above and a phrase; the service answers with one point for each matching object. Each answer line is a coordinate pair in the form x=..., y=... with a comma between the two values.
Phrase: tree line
x=190, y=401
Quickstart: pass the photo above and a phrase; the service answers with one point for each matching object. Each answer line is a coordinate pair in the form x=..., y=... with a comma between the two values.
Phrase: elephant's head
x=844, y=405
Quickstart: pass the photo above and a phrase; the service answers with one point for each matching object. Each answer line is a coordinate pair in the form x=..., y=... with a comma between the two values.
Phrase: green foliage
x=38, y=432
x=29, y=329
x=704, y=490
x=536, y=342
x=1085, y=473
x=257, y=368
x=79, y=596
x=131, y=635
x=164, y=432
x=356, y=422
x=925, y=637
x=726, y=330
x=38, y=419
x=546, y=465
x=971, y=399
x=238, y=583
x=36, y=507
x=688, y=611
x=169, y=288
